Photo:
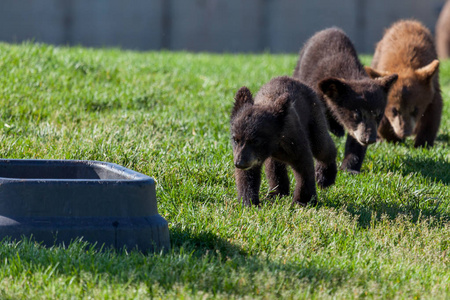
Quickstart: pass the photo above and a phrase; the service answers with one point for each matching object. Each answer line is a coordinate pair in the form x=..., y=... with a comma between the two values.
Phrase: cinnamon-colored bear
x=414, y=102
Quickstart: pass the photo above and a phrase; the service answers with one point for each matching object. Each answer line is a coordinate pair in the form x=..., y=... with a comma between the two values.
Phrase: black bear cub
x=284, y=124
x=329, y=64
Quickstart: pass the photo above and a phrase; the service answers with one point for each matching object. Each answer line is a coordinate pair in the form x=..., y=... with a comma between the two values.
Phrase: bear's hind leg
x=428, y=126
x=326, y=173
x=323, y=150
x=305, y=184
x=277, y=177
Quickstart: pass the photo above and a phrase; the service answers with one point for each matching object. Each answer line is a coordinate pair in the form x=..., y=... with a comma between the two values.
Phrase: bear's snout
x=366, y=134
x=242, y=164
x=245, y=159
x=371, y=139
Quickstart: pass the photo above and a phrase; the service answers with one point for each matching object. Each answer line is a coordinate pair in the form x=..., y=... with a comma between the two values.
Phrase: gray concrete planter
x=60, y=200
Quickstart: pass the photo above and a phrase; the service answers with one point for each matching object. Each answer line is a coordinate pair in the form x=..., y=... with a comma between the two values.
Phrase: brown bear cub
x=284, y=124
x=355, y=102
x=414, y=102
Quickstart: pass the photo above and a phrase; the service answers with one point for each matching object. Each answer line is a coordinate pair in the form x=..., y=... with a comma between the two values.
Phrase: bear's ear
x=426, y=73
x=243, y=96
x=333, y=88
x=281, y=105
x=374, y=74
x=387, y=81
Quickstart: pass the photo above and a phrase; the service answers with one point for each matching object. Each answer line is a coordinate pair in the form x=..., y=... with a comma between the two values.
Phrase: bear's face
x=252, y=137
x=406, y=103
x=255, y=129
x=409, y=98
x=358, y=105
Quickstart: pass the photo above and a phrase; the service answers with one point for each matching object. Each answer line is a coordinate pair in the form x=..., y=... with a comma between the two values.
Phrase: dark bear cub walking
x=283, y=125
x=329, y=64
x=414, y=103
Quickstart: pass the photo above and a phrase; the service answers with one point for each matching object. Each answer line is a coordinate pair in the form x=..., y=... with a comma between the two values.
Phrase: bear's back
x=304, y=100
x=329, y=53
x=406, y=45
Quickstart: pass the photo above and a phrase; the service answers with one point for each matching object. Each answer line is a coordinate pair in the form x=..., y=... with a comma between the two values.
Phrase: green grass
x=382, y=234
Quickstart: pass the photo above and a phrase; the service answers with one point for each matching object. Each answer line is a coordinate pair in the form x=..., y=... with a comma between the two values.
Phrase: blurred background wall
x=278, y=26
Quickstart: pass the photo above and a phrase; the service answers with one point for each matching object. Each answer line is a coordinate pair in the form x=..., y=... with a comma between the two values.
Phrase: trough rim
x=133, y=176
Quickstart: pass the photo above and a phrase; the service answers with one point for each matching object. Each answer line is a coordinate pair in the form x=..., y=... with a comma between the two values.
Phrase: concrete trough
x=57, y=201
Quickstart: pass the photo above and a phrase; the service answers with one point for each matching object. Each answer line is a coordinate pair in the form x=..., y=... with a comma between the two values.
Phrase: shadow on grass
x=416, y=209
x=445, y=138
x=209, y=251
x=199, y=262
x=202, y=243
x=418, y=206
x=428, y=168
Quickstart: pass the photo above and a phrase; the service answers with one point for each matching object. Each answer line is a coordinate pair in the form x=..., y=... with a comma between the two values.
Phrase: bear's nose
x=402, y=134
x=371, y=139
x=407, y=132
x=367, y=140
x=241, y=165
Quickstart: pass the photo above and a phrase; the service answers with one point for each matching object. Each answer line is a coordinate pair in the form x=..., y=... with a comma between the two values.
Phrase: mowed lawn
x=382, y=234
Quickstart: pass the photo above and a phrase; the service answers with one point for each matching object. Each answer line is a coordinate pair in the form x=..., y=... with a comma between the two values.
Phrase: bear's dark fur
x=283, y=125
x=329, y=63
x=414, y=102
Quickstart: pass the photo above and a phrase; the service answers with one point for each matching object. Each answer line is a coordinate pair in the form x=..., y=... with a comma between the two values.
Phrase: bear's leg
x=353, y=156
x=247, y=184
x=305, y=184
x=277, y=176
x=324, y=150
x=428, y=125
x=386, y=132
x=297, y=153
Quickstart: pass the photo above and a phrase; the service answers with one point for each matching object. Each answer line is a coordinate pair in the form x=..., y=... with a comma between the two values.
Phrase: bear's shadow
x=444, y=138
x=436, y=171
x=366, y=214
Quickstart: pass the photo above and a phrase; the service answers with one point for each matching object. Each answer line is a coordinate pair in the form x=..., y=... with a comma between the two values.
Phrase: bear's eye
x=235, y=140
x=357, y=115
x=415, y=112
x=394, y=111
